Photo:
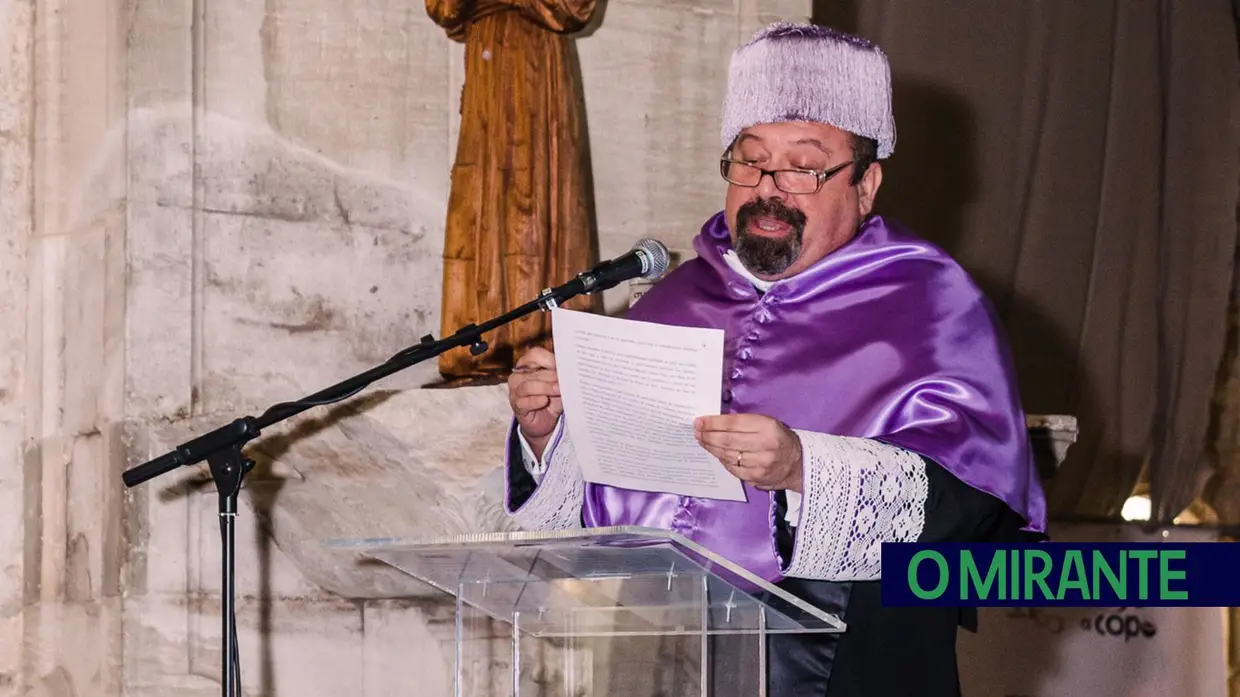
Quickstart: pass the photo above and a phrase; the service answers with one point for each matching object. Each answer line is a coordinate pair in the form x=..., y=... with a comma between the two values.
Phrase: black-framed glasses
x=789, y=181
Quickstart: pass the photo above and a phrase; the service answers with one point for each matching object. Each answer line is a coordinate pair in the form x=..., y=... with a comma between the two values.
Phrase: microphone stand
x=223, y=447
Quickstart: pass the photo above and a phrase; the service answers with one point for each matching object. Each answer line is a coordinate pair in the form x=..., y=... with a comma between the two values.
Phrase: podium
x=627, y=611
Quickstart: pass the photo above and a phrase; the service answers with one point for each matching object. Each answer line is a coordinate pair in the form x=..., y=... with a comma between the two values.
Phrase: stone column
x=16, y=131
x=73, y=382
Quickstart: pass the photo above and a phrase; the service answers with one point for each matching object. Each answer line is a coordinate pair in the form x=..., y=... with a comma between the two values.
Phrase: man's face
x=777, y=234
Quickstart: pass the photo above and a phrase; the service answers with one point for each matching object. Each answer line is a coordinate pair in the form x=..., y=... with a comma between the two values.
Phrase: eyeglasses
x=789, y=181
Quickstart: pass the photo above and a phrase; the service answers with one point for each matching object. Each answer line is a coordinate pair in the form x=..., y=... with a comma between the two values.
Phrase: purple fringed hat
x=803, y=72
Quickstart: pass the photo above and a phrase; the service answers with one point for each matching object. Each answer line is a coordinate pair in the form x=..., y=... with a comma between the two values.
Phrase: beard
x=763, y=254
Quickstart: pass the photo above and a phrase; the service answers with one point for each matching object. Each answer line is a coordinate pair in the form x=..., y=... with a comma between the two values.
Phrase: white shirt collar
x=735, y=262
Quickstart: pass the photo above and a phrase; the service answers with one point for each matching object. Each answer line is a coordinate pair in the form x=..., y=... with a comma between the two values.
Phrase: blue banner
x=1111, y=574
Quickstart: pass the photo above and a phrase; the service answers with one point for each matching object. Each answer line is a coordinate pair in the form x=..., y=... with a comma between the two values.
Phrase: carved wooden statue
x=519, y=209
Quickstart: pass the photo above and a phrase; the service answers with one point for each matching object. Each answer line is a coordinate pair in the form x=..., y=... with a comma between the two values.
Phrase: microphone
x=648, y=259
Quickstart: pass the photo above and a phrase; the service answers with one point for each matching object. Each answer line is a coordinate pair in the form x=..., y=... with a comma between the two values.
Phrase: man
x=868, y=393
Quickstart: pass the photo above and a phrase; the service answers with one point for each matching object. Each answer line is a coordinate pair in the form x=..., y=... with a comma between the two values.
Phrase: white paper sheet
x=631, y=391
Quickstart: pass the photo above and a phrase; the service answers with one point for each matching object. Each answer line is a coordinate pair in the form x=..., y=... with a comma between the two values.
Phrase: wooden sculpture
x=519, y=209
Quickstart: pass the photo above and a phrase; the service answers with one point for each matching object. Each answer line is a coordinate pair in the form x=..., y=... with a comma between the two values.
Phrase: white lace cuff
x=857, y=494
x=556, y=502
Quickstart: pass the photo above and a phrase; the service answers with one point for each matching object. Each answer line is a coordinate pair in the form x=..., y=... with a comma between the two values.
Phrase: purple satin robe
x=885, y=338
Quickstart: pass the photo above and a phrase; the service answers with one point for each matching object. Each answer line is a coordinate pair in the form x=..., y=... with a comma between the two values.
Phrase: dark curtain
x=1081, y=159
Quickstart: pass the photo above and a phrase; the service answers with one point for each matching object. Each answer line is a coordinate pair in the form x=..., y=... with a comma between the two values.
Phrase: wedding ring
x=739, y=456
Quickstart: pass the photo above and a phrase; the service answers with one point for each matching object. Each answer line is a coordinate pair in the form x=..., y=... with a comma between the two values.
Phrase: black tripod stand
x=223, y=447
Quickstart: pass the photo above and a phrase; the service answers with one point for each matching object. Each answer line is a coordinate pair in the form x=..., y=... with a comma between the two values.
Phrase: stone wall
x=208, y=206
x=16, y=130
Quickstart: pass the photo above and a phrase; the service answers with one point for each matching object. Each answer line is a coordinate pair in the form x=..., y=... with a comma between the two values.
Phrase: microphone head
x=655, y=258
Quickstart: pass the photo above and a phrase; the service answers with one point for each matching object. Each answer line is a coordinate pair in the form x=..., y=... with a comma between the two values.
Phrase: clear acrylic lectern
x=604, y=611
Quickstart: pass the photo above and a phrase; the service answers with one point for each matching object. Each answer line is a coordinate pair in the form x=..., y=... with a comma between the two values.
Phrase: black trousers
x=885, y=652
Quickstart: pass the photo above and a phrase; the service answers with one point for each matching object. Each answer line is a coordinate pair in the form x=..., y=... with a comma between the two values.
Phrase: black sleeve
x=957, y=512
x=521, y=484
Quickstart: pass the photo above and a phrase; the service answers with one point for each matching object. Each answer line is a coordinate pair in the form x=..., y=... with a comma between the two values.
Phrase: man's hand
x=757, y=449
x=534, y=395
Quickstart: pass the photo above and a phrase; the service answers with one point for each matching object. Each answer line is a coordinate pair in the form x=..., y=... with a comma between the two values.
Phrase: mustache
x=770, y=208
x=763, y=254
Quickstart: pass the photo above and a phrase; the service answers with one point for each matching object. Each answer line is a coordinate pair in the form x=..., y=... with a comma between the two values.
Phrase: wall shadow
x=1053, y=380
x=932, y=177
x=263, y=492
x=929, y=185
x=596, y=20
x=587, y=160
x=844, y=15
x=261, y=488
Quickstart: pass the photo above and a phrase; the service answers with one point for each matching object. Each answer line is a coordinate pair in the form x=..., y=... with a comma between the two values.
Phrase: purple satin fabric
x=885, y=338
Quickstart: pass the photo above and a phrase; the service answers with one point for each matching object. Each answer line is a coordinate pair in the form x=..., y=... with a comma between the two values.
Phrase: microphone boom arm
x=222, y=448
x=248, y=428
